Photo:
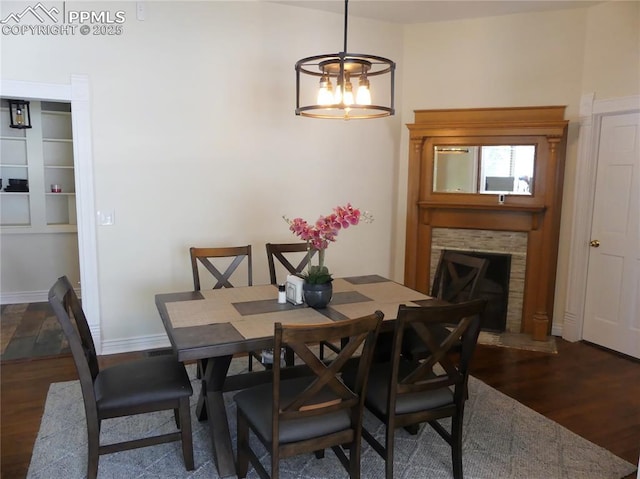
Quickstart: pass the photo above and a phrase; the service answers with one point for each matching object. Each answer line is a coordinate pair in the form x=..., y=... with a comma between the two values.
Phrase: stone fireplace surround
x=488, y=241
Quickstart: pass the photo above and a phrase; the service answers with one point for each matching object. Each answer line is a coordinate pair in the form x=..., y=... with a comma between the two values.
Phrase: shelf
x=27, y=229
x=56, y=125
x=15, y=209
x=22, y=138
x=14, y=151
x=58, y=153
x=485, y=206
x=59, y=175
x=61, y=209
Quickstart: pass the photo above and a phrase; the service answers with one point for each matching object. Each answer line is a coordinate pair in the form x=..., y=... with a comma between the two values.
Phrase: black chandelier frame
x=339, y=67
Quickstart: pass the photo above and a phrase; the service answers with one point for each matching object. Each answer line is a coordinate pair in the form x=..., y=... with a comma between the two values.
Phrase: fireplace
x=494, y=288
x=489, y=221
x=507, y=254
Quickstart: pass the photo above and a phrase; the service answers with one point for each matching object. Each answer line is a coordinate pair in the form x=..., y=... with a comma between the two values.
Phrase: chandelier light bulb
x=325, y=92
x=338, y=95
x=348, y=92
x=19, y=116
x=363, y=97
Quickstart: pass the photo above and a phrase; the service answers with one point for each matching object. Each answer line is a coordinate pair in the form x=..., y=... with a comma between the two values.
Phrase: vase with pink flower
x=317, y=287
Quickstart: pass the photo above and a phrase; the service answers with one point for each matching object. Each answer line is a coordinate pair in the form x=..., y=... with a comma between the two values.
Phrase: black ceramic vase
x=317, y=296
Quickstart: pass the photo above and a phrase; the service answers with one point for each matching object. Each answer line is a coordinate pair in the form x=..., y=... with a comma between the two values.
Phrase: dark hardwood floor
x=591, y=391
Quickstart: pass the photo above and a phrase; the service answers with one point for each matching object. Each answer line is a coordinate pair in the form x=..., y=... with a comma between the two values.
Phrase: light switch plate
x=106, y=217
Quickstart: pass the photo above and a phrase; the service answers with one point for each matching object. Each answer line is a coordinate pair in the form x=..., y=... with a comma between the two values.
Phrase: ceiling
x=423, y=11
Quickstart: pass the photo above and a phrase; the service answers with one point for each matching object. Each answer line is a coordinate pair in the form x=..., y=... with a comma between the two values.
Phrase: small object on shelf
x=56, y=189
x=282, y=294
x=17, y=185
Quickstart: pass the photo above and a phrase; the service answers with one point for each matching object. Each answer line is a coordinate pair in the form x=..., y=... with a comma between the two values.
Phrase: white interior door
x=612, y=308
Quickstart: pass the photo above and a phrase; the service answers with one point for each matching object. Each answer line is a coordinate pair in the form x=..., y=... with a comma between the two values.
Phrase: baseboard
x=24, y=297
x=19, y=297
x=139, y=343
x=556, y=330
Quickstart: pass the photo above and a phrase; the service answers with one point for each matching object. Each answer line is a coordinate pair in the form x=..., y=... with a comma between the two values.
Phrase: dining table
x=211, y=326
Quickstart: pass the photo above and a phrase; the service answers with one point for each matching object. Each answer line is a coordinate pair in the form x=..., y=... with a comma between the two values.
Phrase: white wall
x=31, y=263
x=195, y=141
x=612, y=50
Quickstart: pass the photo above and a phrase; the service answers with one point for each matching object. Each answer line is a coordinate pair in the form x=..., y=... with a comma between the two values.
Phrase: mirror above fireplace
x=483, y=169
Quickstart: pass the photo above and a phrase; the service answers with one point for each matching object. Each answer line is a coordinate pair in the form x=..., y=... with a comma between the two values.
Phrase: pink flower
x=326, y=228
x=323, y=232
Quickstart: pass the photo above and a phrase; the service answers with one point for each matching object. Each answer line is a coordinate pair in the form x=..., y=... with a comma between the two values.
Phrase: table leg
x=211, y=406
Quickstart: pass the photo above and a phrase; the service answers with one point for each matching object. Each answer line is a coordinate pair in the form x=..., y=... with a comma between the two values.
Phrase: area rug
x=502, y=439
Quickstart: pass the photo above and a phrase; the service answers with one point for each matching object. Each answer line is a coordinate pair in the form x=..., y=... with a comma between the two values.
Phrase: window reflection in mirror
x=487, y=169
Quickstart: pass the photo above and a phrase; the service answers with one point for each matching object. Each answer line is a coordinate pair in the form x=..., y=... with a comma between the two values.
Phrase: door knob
x=594, y=243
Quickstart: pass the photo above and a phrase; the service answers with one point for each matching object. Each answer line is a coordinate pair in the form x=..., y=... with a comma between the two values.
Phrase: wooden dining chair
x=285, y=253
x=405, y=393
x=127, y=389
x=287, y=257
x=458, y=276
x=456, y=280
x=309, y=413
x=222, y=276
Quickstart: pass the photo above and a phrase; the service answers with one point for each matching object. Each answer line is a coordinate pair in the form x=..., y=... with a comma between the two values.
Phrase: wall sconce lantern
x=20, y=114
x=372, y=96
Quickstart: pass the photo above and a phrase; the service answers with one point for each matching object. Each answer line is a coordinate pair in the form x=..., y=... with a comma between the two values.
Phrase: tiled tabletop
x=226, y=321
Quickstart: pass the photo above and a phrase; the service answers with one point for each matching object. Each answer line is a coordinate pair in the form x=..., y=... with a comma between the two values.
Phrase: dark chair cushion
x=256, y=404
x=139, y=382
x=378, y=391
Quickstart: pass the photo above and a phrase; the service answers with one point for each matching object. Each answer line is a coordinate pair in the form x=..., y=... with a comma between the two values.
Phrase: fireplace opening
x=494, y=287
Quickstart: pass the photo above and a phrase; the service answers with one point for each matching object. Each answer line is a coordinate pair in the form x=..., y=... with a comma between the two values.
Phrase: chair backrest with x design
x=426, y=324
x=222, y=277
x=279, y=250
x=407, y=392
x=315, y=411
x=302, y=339
x=457, y=277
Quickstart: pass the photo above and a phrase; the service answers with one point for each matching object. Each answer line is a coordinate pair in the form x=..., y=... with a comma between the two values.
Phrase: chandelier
x=325, y=84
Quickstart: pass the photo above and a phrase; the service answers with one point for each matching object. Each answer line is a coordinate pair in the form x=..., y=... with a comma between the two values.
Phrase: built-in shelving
x=43, y=155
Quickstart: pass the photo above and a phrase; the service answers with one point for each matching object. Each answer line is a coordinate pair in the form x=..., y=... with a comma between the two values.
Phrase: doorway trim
x=591, y=114
x=77, y=93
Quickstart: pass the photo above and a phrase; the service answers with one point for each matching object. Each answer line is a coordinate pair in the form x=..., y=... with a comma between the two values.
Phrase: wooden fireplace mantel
x=490, y=217
x=538, y=214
